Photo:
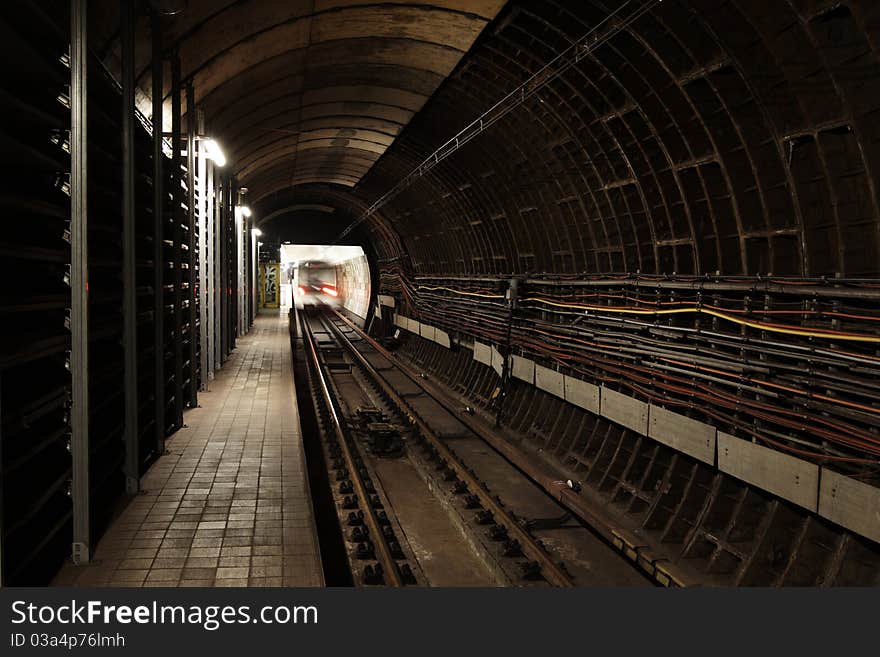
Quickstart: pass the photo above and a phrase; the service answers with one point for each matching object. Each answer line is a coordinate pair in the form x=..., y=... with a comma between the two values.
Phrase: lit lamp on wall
x=213, y=151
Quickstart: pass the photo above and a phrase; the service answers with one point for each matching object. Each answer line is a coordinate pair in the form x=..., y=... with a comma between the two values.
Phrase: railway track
x=406, y=470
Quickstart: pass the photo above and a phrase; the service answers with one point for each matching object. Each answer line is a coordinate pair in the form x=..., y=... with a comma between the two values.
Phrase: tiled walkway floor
x=230, y=505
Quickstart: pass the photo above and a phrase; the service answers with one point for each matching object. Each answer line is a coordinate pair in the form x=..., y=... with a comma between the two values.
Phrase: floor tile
x=218, y=508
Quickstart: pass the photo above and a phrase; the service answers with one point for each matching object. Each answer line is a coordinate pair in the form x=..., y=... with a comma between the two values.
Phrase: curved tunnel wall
x=733, y=137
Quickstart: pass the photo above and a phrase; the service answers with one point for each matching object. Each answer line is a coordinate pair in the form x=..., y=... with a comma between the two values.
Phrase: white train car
x=315, y=283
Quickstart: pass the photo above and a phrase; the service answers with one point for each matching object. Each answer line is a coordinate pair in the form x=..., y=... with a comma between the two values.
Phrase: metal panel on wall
x=426, y=331
x=550, y=381
x=482, y=353
x=786, y=476
x=685, y=434
x=850, y=503
x=523, y=369
x=623, y=409
x=497, y=361
x=442, y=338
x=582, y=394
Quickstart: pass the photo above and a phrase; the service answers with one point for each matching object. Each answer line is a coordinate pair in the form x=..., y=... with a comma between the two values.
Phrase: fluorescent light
x=213, y=152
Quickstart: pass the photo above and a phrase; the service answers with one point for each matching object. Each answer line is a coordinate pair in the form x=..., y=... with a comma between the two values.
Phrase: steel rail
x=383, y=553
x=550, y=570
x=582, y=507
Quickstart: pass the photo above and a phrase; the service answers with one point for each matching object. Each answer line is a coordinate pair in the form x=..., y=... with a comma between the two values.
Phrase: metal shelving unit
x=36, y=516
x=35, y=360
x=103, y=305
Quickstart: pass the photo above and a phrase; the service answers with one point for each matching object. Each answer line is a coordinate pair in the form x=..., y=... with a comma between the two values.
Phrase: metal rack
x=36, y=516
x=100, y=351
x=37, y=366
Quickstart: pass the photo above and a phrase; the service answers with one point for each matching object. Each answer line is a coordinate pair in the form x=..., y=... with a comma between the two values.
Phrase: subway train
x=314, y=282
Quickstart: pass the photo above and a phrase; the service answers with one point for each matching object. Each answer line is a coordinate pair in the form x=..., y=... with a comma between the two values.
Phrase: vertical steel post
x=228, y=321
x=243, y=265
x=2, y=486
x=233, y=271
x=246, y=270
x=236, y=267
x=204, y=242
x=210, y=286
x=241, y=268
x=158, y=237
x=512, y=295
x=239, y=222
x=178, y=239
x=129, y=247
x=221, y=270
x=79, y=283
x=218, y=259
x=255, y=278
x=231, y=259
x=193, y=244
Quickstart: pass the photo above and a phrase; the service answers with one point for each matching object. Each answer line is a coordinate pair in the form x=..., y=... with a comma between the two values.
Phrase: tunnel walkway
x=229, y=505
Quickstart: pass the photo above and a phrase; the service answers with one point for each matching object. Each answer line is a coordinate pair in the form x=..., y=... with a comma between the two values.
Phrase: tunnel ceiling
x=300, y=92
x=731, y=136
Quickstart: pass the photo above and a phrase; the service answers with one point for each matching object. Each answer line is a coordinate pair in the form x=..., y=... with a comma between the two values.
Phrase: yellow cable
x=851, y=337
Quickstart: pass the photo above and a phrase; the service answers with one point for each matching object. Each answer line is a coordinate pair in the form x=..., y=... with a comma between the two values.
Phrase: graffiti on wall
x=270, y=293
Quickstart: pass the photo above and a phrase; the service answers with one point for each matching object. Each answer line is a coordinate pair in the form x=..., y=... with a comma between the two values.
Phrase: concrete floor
x=230, y=504
x=442, y=553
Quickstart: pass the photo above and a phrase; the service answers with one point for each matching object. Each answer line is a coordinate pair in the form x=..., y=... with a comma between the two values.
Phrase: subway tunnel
x=616, y=321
